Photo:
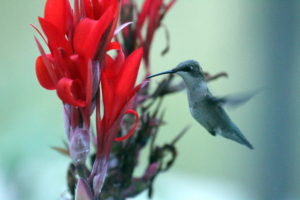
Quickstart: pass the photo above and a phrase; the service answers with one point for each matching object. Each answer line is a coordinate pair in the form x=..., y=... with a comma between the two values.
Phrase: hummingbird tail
x=238, y=137
x=248, y=144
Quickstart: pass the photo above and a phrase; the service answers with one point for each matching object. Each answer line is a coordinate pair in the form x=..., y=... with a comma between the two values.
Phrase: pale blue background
x=256, y=42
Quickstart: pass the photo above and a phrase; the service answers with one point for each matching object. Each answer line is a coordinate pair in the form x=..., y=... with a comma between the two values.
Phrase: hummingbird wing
x=232, y=101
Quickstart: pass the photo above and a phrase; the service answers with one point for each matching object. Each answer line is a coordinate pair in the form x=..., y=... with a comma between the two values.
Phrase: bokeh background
x=256, y=42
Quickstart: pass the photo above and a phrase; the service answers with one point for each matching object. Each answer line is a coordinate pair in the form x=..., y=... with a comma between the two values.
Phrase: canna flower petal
x=70, y=92
x=143, y=14
x=128, y=73
x=46, y=61
x=112, y=70
x=82, y=31
x=89, y=82
x=56, y=39
x=109, y=81
x=58, y=13
x=89, y=33
x=43, y=75
x=97, y=8
x=88, y=9
x=113, y=46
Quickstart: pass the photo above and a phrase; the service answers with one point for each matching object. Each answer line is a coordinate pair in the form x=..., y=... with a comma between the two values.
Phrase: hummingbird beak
x=161, y=73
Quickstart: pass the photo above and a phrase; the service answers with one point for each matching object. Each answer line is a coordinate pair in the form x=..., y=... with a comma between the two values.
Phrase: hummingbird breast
x=198, y=106
x=211, y=117
x=203, y=115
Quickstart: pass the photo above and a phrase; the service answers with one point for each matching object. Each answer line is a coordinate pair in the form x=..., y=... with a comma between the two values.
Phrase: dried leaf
x=62, y=151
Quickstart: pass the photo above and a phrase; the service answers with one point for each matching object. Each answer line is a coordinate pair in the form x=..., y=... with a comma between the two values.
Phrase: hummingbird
x=205, y=108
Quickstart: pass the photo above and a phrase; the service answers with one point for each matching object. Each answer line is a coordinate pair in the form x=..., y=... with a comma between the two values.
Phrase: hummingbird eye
x=187, y=69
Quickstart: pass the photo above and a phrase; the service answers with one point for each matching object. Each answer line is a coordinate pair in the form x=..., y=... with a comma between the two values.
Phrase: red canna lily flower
x=118, y=77
x=149, y=18
x=153, y=11
x=77, y=42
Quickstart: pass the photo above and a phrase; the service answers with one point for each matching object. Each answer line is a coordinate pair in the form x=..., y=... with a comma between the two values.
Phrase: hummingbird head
x=189, y=69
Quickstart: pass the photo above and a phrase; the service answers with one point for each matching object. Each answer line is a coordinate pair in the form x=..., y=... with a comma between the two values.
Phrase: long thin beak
x=161, y=73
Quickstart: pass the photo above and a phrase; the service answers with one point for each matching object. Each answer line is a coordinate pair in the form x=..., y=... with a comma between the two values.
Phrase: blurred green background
x=256, y=42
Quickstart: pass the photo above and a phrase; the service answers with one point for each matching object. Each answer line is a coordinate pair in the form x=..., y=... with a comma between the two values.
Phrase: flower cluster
x=78, y=63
